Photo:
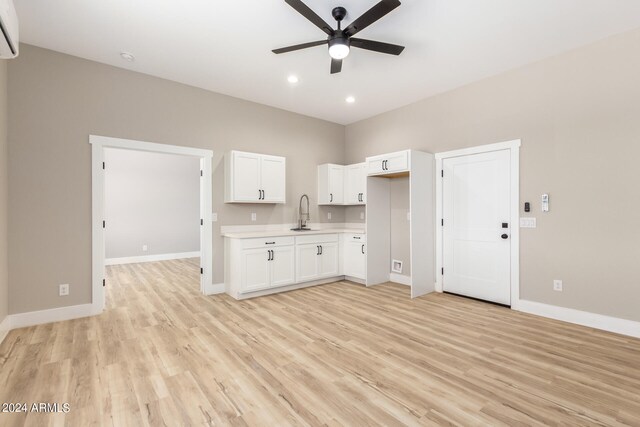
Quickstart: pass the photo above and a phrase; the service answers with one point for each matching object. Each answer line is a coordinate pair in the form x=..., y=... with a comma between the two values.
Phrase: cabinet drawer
x=267, y=242
x=355, y=237
x=388, y=163
x=318, y=238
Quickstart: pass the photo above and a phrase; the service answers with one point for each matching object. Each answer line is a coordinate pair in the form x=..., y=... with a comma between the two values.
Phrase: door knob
x=505, y=236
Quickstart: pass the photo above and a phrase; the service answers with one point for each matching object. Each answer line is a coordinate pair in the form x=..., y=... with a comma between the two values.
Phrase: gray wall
x=151, y=199
x=578, y=116
x=56, y=101
x=4, y=191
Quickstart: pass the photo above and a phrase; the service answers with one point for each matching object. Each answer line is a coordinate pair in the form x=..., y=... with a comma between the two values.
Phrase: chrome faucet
x=303, y=216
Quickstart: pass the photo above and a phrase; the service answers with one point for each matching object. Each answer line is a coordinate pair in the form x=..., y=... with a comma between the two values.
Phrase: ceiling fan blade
x=391, y=49
x=299, y=46
x=305, y=11
x=371, y=16
x=336, y=65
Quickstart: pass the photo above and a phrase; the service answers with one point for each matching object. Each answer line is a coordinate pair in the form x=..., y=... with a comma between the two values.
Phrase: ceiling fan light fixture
x=339, y=48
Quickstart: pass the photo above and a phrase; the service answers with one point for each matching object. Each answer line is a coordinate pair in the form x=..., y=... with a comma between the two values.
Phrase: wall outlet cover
x=396, y=266
x=253, y=216
x=145, y=248
x=361, y=215
x=63, y=290
x=557, y=285
x=214, y=217
x=329, y=215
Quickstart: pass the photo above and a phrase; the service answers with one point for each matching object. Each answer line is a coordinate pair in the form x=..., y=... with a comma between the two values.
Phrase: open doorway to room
x=151, y=227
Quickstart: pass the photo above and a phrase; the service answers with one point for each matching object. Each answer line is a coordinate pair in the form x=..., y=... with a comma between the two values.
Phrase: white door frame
x=98, y=144
x=514, y=149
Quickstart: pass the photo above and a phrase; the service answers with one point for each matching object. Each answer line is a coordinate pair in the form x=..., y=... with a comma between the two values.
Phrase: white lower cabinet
x=355, y=256
x=262, y=264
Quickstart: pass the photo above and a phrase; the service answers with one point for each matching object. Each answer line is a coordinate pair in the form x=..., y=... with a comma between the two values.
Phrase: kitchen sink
x=301, y=229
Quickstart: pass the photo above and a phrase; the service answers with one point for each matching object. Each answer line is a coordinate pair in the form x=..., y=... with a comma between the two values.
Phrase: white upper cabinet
x=391, y=163
x=342, y=185
x=355, y=180
x=254, y=178
x=330, y=184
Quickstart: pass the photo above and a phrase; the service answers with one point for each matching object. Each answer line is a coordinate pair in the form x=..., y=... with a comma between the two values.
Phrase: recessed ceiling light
x=350, y=100
x=292, y=79
x=127, y=56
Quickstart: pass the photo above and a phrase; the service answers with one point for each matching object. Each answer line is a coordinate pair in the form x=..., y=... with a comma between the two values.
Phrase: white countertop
x=282, y=233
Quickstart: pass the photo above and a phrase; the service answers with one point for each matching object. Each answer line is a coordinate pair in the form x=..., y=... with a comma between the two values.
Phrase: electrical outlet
x=63, y=290
x=254, y=216
x=409, y=216
x=557, y=285
x=145, y=248
x=214, y=217
x=329, y=215
x=361, y=215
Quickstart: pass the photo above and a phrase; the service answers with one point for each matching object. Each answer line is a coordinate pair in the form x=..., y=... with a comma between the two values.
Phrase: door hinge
x=103, y=165
x=104, y=224
x=104, y=282
x=201, y=173
x=442, y=222
x=201, y=270
x=442, y=173
x=442, y=271
x=202, y=222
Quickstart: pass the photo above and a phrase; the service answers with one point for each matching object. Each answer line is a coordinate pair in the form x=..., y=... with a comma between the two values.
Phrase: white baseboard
x=4, y=328
x=401, y=279
x=32, y=318
x=584, y=318
x=214, y=289
x=150, y=258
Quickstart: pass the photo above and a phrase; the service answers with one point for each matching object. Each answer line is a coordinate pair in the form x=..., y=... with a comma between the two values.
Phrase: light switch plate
x=254, y=216
x=528, y=223
x=361, y=215
x=409, y=216
x=214, y=217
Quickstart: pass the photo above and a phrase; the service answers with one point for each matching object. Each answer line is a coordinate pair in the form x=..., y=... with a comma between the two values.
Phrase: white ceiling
x=225, y=46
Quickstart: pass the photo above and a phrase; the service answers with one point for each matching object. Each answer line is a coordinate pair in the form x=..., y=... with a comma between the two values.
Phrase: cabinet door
x=255, y=269
x=282, y=266
x=307, y=262
x=246, y=177
x=363, y=183
x=398, y=162
x=354, y=259
x=336, y=184
x=353, y=184
x=375, y=165
x=273, y=178
x=330, y=262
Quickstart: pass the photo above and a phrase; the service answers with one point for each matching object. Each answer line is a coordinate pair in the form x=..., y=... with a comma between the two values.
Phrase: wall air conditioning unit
x=9, y=30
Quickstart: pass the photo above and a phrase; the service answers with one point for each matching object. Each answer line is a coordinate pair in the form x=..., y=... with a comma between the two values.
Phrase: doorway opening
x=151, y=214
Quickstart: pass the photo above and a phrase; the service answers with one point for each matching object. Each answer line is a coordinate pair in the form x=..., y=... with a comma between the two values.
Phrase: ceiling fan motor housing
x=339, y=13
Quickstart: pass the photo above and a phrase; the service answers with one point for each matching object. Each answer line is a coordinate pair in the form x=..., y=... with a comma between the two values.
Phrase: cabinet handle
x=330, y=197
x=317, y=250
x=362, y=249
x=320, y=249
x=268, y=255
x=270, y=243
x=273, y=255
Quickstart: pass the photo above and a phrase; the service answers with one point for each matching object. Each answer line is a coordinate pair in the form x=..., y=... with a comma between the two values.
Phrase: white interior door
x=273, y=170
x=476, y=232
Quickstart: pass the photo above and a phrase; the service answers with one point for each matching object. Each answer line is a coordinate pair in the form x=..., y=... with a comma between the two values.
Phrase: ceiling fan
x=340, y=41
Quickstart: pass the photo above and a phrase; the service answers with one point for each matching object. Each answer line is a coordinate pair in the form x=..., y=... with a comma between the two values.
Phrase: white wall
x=151, y=199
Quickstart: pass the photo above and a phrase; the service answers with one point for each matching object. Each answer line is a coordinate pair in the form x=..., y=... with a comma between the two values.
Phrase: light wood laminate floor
x=338, y=354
